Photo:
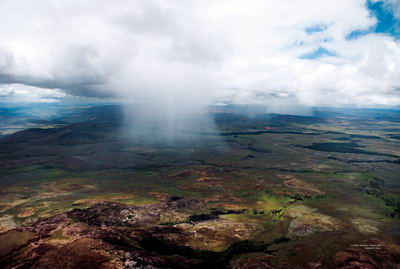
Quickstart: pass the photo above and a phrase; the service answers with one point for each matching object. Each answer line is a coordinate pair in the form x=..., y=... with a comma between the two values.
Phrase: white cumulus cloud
x=180, y=51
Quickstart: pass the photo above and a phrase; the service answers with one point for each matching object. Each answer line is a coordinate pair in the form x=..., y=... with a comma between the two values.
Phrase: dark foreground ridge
x=114, y=235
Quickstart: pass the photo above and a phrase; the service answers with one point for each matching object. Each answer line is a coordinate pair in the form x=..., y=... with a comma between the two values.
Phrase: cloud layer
x=180, y=51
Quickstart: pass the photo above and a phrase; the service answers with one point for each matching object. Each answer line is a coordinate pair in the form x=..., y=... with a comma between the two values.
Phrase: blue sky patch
x=315, y=28
x=318, y=53
x=386, y=21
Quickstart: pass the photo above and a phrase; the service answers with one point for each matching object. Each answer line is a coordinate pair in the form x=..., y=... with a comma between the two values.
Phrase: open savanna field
x=270, y=190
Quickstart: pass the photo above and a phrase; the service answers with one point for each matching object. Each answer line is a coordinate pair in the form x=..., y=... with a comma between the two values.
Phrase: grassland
x=334, y=181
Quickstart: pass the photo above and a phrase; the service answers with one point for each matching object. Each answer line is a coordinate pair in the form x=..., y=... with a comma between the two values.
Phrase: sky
x=174, y=52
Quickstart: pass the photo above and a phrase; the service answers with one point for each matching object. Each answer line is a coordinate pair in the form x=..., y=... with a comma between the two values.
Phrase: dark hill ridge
x=284, y=119
x=75, y=138
x=345, y=147
x=93, y=124
x=77, y=133
x=28, y=135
